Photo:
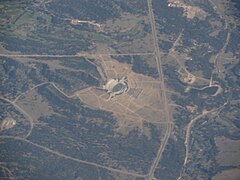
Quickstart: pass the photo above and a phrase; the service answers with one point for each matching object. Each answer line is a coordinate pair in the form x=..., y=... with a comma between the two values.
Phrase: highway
x=163, y=88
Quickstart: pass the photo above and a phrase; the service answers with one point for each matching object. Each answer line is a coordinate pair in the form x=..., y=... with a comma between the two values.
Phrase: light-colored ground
x=130, y=109
x=34, y=104
x=189, y=11
x=232, y=174
x=229, y=154
x=7, y=124
x=92, y=23
x=124, y=24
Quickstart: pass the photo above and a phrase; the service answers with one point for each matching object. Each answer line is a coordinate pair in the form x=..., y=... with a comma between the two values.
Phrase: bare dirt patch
x=232, y=174
x=189, y=11
x=7, y=123
x=35, y=105
x=134, y=108
x=123, y=24
x=229, y=154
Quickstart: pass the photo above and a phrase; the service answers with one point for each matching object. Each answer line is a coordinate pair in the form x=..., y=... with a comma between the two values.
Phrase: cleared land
x=142, y=102
x=228, y=154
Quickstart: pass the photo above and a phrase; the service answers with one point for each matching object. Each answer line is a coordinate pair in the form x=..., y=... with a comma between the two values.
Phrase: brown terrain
x=141, y=103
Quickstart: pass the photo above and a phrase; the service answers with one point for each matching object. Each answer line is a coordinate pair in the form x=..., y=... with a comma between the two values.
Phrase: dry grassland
x=142, y=102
